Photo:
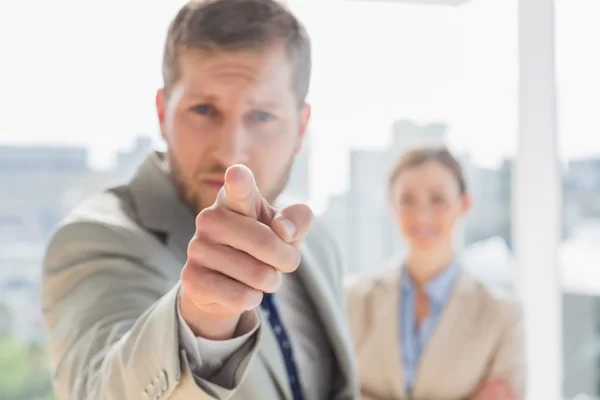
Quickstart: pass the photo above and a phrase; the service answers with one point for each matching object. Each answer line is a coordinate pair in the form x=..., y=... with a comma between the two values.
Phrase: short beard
x=189, y=195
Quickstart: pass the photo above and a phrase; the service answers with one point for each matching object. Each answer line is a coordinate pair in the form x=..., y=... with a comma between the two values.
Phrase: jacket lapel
x=440, y=354
x=386, y=332
x=319, y=288
x=159, y=207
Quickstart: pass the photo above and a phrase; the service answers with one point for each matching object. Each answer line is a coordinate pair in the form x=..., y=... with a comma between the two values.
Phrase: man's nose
x=232, y=144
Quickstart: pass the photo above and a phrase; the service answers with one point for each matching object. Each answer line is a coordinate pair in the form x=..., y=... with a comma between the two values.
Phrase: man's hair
x=421, y=155
x=234, y=25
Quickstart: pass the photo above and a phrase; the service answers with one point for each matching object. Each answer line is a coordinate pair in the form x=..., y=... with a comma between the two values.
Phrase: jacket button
x=164, y=381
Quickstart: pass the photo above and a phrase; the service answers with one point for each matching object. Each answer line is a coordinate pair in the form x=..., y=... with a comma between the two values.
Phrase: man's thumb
x=293, y=223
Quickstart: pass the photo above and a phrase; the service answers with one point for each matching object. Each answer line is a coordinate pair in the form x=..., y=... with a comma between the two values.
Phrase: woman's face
x=427, y=203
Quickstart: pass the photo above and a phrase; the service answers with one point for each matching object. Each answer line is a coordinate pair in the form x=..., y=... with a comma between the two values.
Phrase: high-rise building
x=407, y=134
x=32, y=182
x=371, y=236
x=128, y=161
x=40, y=158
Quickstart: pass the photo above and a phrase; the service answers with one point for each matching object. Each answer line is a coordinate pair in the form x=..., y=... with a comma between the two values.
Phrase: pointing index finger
x=240, y=193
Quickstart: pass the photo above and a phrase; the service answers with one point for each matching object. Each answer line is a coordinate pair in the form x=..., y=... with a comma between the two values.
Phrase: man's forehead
x=269, y=65
x=226, y=84
x=200, y=2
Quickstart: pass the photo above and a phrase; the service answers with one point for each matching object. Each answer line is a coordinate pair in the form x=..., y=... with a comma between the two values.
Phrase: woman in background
x=426, y=329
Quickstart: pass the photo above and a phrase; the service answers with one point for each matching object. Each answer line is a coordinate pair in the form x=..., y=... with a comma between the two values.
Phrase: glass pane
x=578, y=66
x=75, y=95
x=390, y=76
x=386, y=76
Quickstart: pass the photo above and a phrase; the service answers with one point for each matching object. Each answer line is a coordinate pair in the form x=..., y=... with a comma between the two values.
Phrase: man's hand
x=241, y=247
x=497, y=389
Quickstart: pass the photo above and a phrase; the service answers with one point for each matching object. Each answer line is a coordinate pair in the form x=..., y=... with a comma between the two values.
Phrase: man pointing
x=229, y=270
x=187, y=283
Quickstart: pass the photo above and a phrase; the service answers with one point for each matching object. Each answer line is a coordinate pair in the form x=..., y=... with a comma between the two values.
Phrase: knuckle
x=248, y=298
x=199, y=249
x=275, y=282
x=204, y=285
x=190, y=276
x=266, y=278
x=207, y=220
x=195, y=247
x=265, y=243
x=185, y=276
x=292, y=260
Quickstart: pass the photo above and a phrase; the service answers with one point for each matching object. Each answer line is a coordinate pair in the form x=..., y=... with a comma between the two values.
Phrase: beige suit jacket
x=478, y=337
x=110, y=284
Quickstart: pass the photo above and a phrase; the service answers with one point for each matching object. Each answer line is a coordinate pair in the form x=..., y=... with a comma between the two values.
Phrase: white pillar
x=537, y=201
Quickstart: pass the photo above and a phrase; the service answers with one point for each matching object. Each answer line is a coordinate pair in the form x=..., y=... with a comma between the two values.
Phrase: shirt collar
x=439, y=288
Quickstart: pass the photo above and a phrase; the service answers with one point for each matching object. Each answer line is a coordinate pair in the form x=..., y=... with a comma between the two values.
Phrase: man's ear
x=161, y=106
x=304, y=120
x=467, y=203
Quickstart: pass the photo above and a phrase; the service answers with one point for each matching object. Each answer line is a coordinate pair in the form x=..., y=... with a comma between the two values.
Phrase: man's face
x=231, y=108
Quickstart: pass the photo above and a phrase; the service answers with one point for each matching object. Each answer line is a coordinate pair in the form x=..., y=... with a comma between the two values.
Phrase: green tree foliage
x=24, y=372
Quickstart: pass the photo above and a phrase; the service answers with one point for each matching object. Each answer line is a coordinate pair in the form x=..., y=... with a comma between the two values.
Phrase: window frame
x=537, y=200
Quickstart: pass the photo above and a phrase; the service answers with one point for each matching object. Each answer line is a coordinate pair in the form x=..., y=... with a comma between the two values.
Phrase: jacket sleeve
x=508, y=362
x=111, y=319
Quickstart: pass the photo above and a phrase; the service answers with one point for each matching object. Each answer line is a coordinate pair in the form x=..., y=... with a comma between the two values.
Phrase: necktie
x=270, y=308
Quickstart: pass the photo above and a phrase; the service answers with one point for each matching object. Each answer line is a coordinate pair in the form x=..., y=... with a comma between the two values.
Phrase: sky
x=85, y=73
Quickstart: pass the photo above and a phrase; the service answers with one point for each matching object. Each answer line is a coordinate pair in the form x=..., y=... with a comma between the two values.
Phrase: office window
x=394, y=75
x=578, y=80
x=386, y=77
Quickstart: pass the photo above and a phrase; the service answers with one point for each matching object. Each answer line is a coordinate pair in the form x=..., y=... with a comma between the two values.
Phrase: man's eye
x=262, y=116
x=203, y=109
